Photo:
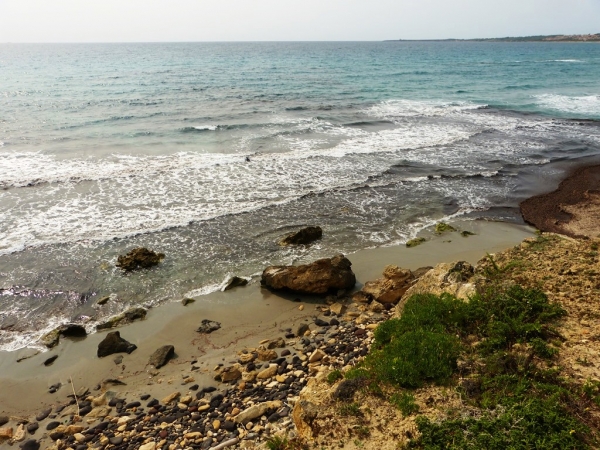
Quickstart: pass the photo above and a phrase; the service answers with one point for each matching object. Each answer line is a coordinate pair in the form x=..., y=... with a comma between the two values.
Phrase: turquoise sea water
x=211, y=151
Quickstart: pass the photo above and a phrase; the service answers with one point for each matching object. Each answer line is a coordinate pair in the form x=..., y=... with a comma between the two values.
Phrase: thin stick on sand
x=73, y=387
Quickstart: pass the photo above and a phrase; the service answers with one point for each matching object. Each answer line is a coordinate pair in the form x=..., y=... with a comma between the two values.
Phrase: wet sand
x=573, y=209
x=247, y=314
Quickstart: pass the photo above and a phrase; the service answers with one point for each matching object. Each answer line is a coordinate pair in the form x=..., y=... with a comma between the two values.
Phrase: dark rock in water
x=30, y=444
x=50, y=360
x=103, y=300
x=162, y=356
x=304, y=236
x=32, y=427
x=187, y=301
x=114, y=343
x=139, y=258
x=235, y=282
x=318, y=278
x=52, y=338
x=129, y=316
x=4, y=420
x=208, y=326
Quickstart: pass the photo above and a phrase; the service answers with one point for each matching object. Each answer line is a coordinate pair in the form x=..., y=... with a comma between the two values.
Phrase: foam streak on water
x=211, y=152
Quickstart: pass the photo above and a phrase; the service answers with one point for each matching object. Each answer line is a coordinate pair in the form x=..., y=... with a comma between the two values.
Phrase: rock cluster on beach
x=253, y=398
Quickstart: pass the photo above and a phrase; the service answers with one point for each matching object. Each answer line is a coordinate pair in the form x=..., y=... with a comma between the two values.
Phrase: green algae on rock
x=416, y=241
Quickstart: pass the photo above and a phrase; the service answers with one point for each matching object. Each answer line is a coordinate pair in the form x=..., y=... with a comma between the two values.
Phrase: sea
x=210, y=152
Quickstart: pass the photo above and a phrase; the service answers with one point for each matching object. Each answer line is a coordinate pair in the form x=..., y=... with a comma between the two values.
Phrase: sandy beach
x=248, y=316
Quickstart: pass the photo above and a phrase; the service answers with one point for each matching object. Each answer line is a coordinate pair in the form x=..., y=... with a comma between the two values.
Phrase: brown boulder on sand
x=318, y=278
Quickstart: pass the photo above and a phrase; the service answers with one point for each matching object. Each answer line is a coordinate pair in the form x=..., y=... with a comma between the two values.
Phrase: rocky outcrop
x=114, y=343
x=162, y=356
x=391, y=287
x=139, y=258
x=304, y=236
x=318, y=278
x=457, y=278
x=52, y=338
x=131, y=315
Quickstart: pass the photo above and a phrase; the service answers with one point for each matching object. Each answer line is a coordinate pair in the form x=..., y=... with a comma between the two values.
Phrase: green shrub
x=334, y=376
x=405, y=402
x=514, y=315
x=350, y=409
x=415, y=357
x=531, y=424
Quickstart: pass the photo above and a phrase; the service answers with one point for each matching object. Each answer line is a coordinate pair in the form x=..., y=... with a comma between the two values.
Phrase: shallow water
x=210, y=152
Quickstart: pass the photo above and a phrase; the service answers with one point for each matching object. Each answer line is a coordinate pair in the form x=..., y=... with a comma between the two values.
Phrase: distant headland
x=548, y=38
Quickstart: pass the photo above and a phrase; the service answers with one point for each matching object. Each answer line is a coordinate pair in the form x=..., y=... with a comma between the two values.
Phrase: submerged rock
x=235, y=282
x=131, y=315
x=114, y=343
x=162, y=356
x=319, y=278
x=305, y=236
x=52, y=338
x=139, y=258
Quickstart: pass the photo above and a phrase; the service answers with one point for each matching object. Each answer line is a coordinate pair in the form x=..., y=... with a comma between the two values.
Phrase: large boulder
x=114, y=343
x=52, y=338
x=456, y=278
x=319, y=278
x=139, y=258
x=304, y=236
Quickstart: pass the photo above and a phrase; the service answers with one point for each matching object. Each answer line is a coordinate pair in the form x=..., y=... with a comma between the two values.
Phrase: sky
x=286, y=20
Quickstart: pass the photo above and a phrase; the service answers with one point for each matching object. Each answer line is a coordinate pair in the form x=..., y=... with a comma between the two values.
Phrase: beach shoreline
x=249, y=315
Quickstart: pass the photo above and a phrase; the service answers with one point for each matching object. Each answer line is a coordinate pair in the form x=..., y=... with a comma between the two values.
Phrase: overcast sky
x=286, y=20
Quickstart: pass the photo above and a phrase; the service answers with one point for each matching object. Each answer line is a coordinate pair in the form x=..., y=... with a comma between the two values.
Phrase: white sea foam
x=393, y=109
x=206, y=127
x=79, y=200
x=586, y=105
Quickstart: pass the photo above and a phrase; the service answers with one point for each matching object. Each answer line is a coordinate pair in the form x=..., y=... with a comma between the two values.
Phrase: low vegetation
x=497, y=350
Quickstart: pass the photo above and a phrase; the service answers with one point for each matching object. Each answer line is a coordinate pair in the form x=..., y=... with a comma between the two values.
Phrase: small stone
x=6, y=433
x=148, y=446
x=42, y=415
x=169, y=398
x=271, y=371
x=316, y=356
x=114, y=343
x=301, y=308
x=336, y=308
x=187, y=301
x=216, y=425
x=208, y=326
x=302, y=329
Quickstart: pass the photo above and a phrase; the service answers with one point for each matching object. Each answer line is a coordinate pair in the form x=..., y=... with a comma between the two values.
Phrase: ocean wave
x=392, y=109
x=584, y=105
